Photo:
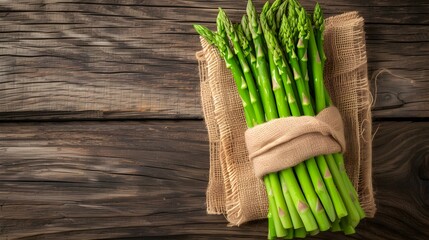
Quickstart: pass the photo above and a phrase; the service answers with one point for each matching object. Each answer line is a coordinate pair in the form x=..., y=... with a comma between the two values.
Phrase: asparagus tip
x=205, y=33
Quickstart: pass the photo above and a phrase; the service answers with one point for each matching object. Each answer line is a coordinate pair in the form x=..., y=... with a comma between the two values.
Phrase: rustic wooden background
x=139, y=169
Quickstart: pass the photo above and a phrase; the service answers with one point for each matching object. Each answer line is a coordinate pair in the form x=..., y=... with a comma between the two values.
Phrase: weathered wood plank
x=132, y=59
x=110, y=180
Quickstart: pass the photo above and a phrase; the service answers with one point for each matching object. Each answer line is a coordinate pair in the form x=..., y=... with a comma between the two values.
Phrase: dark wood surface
x=136, y=59
x=85, y=180
x=63, y=62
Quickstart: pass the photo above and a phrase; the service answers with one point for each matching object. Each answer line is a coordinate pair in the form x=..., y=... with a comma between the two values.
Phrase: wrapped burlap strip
x=286, y=142
x=233, y=189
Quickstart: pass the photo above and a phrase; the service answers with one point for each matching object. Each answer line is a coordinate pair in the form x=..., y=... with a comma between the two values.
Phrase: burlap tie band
x=285, y=142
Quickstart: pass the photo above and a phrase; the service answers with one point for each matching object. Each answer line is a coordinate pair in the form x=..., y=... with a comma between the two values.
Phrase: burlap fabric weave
x=233, y=189
x=272, y=146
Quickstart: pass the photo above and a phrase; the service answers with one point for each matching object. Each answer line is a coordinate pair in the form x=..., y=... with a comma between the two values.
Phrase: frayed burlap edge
x=346, y=78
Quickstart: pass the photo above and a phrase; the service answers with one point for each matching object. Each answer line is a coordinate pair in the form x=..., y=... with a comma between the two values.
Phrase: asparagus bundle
x=277, y=59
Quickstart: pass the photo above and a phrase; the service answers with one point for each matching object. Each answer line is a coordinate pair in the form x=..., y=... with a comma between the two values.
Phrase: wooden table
x=101, y=133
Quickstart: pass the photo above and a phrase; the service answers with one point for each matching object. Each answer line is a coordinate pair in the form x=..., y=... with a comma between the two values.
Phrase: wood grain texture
x=133, y=180
x=135, y=59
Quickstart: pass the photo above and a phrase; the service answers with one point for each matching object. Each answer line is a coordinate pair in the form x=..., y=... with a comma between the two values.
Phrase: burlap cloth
x=285, y=142
x=233, y=189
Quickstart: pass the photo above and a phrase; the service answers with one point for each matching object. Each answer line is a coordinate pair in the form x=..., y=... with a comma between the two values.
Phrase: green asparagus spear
x=283, y=32
x=271, y=15
x=312, y=166
x=339, y=159
x=320, y=89
x=353, y=215
x=248, y=52
x=221, y=30
x=336, y=225
x=265, y=8
x=299, y=200
x=317, y=72
x=231, y=63
x=290, y=234
x=296, y=219
x=271, y=226
x=265, y=89
x=245, y=26
x=293, y=23
x=275, y=184
x=346, y=227
x=278, y=89
x=300, y=169
x=283, y=111
x=319, y=27
x=280, y=231
x=303, y=36
x=280, y=13
x=223, y=20
x=300, y=233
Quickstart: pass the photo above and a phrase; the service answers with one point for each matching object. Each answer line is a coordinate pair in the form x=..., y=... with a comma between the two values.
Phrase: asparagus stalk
x=271, y=15
x=274, y=7
x=319, y=27
x=265, y=8
x=280, y=231
x=271, y=227
x=284, y=28
x=300, y=169
x=262, y=66
x=339, y=159
x=297, y=196
x=346, y=227
x=293, y=24
x=283, y=111
x=318, y=183
x=290, y=234
x=336, y=226
x=248, y=118
x=245, y=26
x=317, y=72
x=300, y=233
x=280, y=13
x=339, y=207
x=245, y=38
x=224, y=23
x=318, y=54
x=231, y=63
x=299, y=200
x=353, y=215
x=315, y=232
x=221, y=30
x=338, y=204
x=273, y=178
x=303, y=36
x=278, y=89
x=248, y=52
x=296, y=219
